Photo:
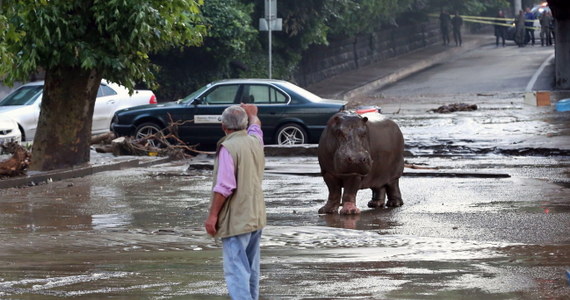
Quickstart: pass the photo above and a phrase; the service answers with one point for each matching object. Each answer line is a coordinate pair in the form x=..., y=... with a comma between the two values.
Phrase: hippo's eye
x=340, y=133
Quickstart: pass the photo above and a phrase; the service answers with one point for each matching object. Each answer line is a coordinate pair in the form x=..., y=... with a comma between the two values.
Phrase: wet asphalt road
x=492, y=224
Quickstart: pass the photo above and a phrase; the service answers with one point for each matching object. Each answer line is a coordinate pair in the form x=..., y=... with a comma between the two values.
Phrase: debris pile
x=162, y=143
x=18, y=163
x=445, y=109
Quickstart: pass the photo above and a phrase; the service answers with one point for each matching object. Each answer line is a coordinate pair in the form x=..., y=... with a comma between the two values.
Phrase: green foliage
x=114, y=37
x=231, y=38
x=468, y=7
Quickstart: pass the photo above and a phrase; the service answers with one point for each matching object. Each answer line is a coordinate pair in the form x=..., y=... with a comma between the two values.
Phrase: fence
x=321, y=62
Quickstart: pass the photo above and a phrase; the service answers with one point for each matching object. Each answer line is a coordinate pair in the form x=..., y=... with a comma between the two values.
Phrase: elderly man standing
x=237, y=212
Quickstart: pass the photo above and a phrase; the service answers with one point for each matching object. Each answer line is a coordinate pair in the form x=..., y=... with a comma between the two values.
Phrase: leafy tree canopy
x=114, y=37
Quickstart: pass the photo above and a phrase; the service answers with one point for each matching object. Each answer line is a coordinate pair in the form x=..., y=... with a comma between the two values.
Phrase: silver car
x=9, y=131
x=23, y=106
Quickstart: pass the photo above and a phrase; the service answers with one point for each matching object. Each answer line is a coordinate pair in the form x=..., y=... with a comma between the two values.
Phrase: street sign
x=276, y=24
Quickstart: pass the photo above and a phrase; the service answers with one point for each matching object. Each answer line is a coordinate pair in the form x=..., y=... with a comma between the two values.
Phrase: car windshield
x=25, y=95
x=302, y=92
x=195, y=94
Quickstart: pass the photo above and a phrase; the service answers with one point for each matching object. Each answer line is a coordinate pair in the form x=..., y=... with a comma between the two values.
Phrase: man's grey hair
x=234, y=118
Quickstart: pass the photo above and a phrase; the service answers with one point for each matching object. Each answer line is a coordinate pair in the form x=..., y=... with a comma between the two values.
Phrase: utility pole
x=270, y=23
x=517, y=5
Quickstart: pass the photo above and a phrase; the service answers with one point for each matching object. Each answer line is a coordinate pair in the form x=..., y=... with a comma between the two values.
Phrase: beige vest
x=244, y=210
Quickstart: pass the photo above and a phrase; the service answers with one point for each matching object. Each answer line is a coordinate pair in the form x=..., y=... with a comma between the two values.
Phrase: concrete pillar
x=562, y=54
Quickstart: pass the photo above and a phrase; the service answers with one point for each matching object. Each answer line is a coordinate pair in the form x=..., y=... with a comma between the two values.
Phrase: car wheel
x=147, y=129
x=291, y=134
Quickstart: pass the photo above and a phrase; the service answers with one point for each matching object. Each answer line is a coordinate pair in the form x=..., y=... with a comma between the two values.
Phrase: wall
x=321, y=62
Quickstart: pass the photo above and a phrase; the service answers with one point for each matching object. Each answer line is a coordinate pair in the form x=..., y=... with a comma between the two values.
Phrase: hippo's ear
x=365, y=119
x=334, y=120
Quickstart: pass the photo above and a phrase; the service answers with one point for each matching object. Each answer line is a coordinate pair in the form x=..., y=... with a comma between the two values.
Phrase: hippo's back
x=386, y=150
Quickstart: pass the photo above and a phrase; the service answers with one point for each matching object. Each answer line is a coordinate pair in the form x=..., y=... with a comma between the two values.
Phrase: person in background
x=500, y=29
x=545, y=32
x=237, y=209
x=520, y=36
x=529, y=25
x=456, y=23
x=444, y=24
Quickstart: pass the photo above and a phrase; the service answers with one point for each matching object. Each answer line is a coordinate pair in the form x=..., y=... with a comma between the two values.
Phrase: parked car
x=23, y=105
x=9, y=131
x=288, y=113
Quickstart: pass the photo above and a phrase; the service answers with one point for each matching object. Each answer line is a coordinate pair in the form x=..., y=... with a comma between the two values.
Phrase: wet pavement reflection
x=138, y=234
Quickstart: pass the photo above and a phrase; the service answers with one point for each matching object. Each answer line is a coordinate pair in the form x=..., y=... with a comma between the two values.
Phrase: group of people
x=447, y=22
x=524, y=28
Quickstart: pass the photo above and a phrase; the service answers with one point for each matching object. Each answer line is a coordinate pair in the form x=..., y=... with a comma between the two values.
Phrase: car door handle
x=111, y=102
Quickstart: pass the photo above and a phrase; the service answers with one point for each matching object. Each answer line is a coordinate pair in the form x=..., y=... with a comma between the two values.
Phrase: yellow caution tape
x=483, y=20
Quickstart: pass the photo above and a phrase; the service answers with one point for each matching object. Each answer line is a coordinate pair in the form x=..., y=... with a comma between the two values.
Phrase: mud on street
x=490, y=222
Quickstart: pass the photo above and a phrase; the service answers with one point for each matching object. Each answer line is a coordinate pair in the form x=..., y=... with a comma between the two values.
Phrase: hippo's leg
x=335, y=189
x=393, y=193
x=351, y=186
x=378, y=197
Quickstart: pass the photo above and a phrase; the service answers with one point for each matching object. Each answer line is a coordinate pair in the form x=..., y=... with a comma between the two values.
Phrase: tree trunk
x=562, y=54
x=64, y=127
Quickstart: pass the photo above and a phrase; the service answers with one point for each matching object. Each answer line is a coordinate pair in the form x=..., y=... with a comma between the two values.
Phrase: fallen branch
x=104, y=138
x=165, y=142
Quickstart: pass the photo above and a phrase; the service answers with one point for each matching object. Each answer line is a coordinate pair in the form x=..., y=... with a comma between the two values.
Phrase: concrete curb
x=410, y=69
x=58, y=175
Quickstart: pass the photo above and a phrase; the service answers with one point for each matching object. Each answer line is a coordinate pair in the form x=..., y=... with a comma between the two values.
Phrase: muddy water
x=138, y=234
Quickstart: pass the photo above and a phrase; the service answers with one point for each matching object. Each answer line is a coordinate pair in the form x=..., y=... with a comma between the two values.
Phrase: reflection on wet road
x=138, y=234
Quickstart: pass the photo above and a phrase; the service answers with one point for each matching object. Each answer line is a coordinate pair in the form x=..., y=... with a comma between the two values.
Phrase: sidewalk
x=380, y=74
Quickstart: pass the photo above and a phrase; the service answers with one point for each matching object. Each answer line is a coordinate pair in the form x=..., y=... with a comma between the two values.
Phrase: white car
x=23, y=106
x=9, y=131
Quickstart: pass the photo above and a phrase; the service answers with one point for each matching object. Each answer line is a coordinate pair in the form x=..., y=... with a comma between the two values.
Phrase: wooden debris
x=104, y=138
x=18, y=163
x=445, y=109
x=163, y=143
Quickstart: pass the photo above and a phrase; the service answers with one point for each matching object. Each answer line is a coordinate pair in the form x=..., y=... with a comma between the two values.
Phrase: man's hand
x=212, y=220
x=251, y=111
x=210, y=225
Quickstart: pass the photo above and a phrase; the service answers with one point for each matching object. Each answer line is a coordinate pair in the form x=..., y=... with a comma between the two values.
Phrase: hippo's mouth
x=353, y=170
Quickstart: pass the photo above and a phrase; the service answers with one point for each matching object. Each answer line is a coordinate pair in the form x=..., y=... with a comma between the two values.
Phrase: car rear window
x=105, y=90
x=301, y=92
x=263, y=94
x=24, y=95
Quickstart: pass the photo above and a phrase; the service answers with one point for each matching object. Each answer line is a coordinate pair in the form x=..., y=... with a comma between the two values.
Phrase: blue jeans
x=241, y=265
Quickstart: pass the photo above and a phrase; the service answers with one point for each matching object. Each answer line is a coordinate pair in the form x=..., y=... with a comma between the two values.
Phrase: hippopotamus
x=358, y=151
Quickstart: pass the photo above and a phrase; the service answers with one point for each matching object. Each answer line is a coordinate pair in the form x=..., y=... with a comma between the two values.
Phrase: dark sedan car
x=288, y=113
